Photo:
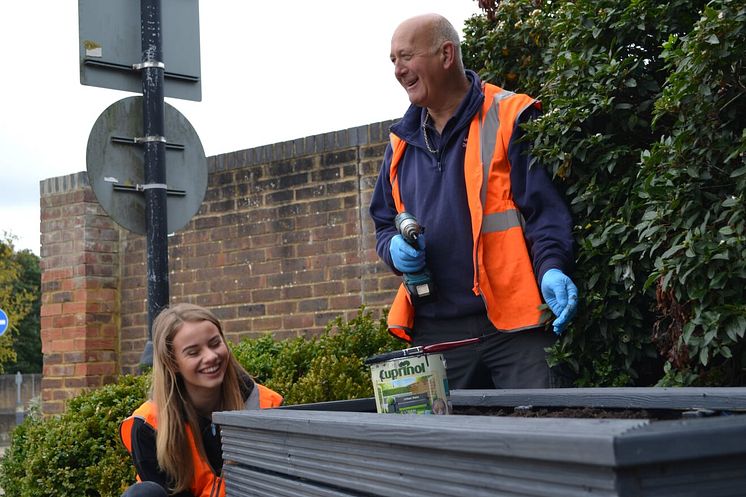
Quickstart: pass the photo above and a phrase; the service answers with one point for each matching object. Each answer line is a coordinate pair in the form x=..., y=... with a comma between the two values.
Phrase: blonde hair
x=168, y=392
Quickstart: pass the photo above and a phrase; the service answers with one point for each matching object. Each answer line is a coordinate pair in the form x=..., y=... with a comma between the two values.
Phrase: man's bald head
x=433, y=30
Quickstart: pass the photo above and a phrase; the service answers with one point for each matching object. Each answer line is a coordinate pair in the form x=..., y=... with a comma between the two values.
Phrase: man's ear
x=448, y=54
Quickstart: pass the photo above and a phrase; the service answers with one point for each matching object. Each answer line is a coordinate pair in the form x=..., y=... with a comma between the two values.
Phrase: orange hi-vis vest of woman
x=503, y=273
x=205, y=483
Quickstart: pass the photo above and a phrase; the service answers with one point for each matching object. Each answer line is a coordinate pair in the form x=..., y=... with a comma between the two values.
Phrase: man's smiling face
x=417, y=65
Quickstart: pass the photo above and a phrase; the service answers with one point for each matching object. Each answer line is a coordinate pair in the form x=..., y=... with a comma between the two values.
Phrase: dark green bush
x=641, y=130
x=693, y=182
x=77, y=453
x=327, y=367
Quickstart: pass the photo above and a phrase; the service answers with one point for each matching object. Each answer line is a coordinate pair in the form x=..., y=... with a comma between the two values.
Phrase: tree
x=694, y=183
x=19, y=298
x=27, y=343
x=641, y=129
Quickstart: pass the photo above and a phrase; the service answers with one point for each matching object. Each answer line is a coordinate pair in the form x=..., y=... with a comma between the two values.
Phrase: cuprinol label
x=414, y=385
x=404, y=368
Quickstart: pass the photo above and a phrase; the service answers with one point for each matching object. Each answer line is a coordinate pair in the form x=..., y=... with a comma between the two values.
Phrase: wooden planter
x=324, y=450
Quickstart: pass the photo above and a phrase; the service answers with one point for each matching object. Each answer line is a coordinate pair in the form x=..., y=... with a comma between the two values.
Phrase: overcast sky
x=271, y=71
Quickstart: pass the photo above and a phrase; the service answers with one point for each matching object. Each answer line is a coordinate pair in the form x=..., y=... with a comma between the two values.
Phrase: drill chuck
x=408, y=227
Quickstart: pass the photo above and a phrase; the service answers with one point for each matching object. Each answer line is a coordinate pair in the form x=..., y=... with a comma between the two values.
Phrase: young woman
x=171, y=437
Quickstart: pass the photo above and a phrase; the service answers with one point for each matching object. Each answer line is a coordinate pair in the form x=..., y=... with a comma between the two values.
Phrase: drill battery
x=419, y=286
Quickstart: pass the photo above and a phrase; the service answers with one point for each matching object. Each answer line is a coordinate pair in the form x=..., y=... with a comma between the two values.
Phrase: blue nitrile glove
x=405, y=257
x=561, y=295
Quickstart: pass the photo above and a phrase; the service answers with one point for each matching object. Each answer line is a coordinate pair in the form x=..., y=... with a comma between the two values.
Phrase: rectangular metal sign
x=109, y=39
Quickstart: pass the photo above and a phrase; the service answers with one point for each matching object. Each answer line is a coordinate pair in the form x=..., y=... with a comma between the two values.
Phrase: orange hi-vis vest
x=503, y=273
x=205, y=483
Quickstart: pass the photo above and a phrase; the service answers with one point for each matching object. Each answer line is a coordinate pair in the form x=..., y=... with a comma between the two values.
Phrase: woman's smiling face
x=201, y=356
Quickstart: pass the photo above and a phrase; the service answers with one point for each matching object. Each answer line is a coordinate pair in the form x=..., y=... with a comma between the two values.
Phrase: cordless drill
x=419, y=285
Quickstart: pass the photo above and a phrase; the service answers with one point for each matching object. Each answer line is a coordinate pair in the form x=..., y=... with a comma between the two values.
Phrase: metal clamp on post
x=152, y=186
x=148, y=139
x=149, y=63
x=123, y=140
x=141, y=188
x=160, y=186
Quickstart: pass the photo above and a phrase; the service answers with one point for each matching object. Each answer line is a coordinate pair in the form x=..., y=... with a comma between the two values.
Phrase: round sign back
x=115, y=164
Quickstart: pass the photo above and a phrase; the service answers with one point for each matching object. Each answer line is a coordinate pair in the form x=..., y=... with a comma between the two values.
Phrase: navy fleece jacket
x=433, y=190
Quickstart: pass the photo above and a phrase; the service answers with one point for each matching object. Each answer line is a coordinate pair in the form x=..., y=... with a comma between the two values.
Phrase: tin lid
x=396, y=354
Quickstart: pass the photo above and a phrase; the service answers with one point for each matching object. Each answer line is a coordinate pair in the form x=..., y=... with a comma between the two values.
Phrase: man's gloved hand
x=561, y=295
x=405, y=257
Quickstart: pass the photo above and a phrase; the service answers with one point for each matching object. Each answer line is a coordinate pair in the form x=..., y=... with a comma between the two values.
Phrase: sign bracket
x=138, y=140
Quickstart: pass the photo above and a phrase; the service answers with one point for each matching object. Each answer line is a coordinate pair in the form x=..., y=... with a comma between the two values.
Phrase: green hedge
x=78, y=453
x=327, y=367
x=643, y=129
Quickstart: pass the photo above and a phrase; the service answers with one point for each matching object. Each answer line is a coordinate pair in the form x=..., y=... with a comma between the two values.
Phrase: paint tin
x=415, y=384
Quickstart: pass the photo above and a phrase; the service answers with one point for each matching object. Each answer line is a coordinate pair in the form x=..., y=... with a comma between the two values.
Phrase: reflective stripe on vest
x=505, y=279
x=262, y=397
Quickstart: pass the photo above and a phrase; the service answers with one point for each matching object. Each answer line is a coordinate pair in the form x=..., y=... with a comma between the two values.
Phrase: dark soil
x=568, y=412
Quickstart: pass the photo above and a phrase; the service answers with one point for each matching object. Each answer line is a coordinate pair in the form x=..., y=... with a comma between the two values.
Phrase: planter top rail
x=677, y=398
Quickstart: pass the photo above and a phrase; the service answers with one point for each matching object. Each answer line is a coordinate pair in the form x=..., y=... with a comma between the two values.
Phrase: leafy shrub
x=323, y=368
x=694, y=184
x=641, y=130
x=77, y=453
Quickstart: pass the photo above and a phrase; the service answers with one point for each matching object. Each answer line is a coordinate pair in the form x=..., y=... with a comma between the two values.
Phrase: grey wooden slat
x=682, y=439
x=286, y=450
x=320, y=464
x=472, y=476
x=707, y=477
x=322, y=467
x=679, y=398
x=712, y=476
x=402, y=484
x=573, y=440
x=242, y=481
x=412, y=472
x=367, y=404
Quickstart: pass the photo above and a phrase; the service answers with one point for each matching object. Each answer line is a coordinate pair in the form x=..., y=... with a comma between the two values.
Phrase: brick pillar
x=80, y=296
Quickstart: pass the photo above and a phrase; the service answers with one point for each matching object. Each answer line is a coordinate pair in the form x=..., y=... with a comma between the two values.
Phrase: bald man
x=498, y=240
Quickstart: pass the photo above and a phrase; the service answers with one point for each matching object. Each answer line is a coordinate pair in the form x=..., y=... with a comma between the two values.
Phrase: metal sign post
x=152, y=68
x=19, y=402
x=108, y=58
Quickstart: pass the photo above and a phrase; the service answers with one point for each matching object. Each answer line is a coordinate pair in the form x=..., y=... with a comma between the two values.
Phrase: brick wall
x=80, y=294
x=281, y=244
